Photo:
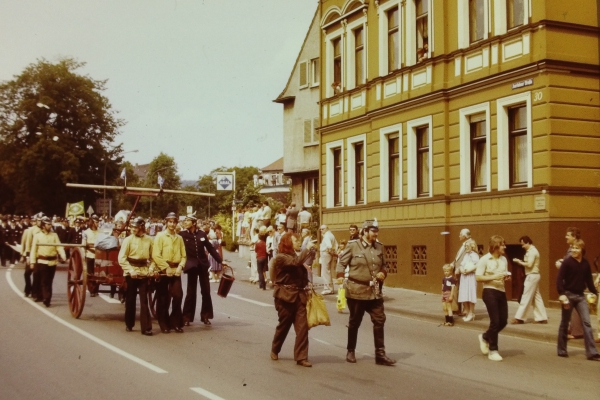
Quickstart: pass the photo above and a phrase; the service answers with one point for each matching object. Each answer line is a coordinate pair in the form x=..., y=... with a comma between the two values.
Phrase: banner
x=75, y=208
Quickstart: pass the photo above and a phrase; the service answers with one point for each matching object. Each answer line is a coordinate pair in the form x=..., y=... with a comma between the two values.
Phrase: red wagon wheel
x=76, y=283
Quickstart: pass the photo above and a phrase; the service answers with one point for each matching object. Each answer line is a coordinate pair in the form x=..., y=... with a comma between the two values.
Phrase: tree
x=165, y=167
x=55, y=127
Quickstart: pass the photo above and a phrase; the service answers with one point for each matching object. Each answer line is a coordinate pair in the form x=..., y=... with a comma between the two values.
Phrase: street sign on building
x=104, y=206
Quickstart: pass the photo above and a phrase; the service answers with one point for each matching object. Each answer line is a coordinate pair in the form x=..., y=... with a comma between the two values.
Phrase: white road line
x=258, y=303
x=82, y=332
x=108, y=299
x=206, y=393
x=320, y=341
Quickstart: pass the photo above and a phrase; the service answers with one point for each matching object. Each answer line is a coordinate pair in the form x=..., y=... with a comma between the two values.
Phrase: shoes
x=594, y=357
x=206, y=321
x=382, y=359
x=569, y=337
x=565, y=355
x=186, y=323
x=304, y=363
x=38, y=300
x=112, y=295
x=165, y=330
x=128, y=329
x=179, y=330
x=47, y=303
x=515, y=321
x=351, y=357
x=274, y=356
x=494, y=356
x=147, y=333
x=545, y=321
x=484, y=346
x=27, y=294
x=470, y=317
x=326, y=292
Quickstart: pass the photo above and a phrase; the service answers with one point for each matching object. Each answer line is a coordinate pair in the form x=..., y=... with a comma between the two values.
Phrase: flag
x=161, y=181
x=76, y=208
x=124, y=174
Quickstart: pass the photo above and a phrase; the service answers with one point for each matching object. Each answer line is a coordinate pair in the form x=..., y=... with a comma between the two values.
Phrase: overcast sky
x=192, y=78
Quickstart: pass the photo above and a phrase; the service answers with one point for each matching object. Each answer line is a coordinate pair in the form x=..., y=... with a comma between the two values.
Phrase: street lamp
x=105, y=163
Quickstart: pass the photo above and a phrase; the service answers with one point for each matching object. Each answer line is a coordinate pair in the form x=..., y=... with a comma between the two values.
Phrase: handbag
x=341, y=299
x=316, y=310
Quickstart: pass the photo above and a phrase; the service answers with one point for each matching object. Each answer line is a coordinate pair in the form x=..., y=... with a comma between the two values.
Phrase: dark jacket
x=574, y=276
x=196, y=245
x=290, y=276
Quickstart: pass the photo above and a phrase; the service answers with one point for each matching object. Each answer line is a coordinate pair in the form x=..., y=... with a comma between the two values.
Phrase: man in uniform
x=46, y=257
x=168, y=253
x=366, y=274
x=33, y=289
x=15, y=235
x=77, y=237
x=196, y=267
x=135, y=257
x=88, y=240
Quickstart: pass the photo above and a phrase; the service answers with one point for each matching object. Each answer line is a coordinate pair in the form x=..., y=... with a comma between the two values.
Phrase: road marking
x=206, y=393
x=108, y=299
x=81, y=331
x=321, y=341
x=258, y=303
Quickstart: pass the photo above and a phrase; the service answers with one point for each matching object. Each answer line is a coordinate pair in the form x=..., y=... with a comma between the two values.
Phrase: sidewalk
x=427, y=306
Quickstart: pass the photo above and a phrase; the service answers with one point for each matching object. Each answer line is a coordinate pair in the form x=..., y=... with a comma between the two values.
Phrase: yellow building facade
x=440, y=115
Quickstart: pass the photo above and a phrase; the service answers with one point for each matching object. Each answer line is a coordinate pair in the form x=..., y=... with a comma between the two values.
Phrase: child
x=448, y=293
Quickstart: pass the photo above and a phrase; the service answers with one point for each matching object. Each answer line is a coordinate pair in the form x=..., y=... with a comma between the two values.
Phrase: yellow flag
x=76, y=208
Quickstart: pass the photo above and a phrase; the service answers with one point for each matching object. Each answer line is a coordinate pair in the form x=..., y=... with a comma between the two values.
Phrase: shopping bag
x=341, y=299
x=316, y=311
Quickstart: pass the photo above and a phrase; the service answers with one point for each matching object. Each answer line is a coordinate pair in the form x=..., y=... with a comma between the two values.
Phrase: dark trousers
x=261, y=267
x=36, y=284
x=357, y=310
x=169, y=293
x=14, y=256
x=46, y=279
x=189, y=306
x=291, y=313
x=133, y=286
x=497, y=307
x=92, y=286
x=27, y=276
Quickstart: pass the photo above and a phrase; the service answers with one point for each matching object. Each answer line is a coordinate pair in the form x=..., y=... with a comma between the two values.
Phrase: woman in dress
x=467, y=292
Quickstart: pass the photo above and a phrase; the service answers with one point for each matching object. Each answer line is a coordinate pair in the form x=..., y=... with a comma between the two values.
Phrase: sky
x=194, y=79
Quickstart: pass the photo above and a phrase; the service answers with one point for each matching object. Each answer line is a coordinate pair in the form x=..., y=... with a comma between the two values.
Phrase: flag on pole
x=124, y=174
x=75, y=208
x=161, y=181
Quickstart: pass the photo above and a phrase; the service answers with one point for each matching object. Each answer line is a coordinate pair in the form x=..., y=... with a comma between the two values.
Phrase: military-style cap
x=46, y=220
x=95, y=217
x=171, y=215
x=191, y=216
x=138, y=222
x=370, y=224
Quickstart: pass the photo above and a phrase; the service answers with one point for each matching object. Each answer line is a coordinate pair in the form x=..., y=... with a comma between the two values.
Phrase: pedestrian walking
x=531, y=297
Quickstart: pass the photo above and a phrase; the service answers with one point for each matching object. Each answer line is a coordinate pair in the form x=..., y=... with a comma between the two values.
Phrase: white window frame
x=314, y=182
x=329, y=168
x=383, y=38
x=411, y=34
x=411, y=142
x=465, y=145
x=351, y=167
x=315, y=77
x=303, y=66
x=384, y=161
x=350, y=51
x=464, y=41
x=502, y=106
x=329, y=38
x=501, y=18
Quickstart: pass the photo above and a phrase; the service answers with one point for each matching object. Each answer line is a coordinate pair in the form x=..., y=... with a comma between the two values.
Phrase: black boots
x=381, y=358
x=351, y=357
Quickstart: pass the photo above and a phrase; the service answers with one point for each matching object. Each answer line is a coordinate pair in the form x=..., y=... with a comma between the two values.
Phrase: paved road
x=46, y=353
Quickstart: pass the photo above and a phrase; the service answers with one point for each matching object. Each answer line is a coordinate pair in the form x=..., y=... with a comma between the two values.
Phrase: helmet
x=95, y=217
x=370, y=224
x=171, y=215
x=46, y=220
x=138, y=222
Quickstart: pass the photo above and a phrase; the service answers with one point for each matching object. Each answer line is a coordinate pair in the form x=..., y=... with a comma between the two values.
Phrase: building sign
x=526, y=82
x=540, y=203
x=225, y=181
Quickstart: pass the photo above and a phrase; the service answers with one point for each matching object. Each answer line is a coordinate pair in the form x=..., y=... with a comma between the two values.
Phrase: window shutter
x=303, y=74
x=307, y=131
x=315, y=131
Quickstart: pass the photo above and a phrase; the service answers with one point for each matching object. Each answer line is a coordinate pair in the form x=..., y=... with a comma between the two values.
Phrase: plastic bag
x=105, y=241
x=316, y=311
x=341, y=299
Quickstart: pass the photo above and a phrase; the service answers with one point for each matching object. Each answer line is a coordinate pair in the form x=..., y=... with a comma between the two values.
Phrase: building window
x=393, y=39
x=337, y=65
x=359, y=173
x=476, y=20
x=478, y=131
x=338, y=188
x=303, y=74
x=311, y=135
x=422, y=24
x=394, y=167
x=315, y=72
x=422, y=161
x=515, y=13
x=311, y=191
x=390, y=258
x=517, y=146
x=419, y=260
x=359, y=56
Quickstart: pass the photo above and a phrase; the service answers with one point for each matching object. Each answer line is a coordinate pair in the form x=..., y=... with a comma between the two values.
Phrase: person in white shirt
x=531, y=293
x=328, y=259
x=304, y=218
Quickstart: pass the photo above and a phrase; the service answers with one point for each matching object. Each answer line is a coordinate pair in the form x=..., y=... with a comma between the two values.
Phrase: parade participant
x=135, y=259
x=168, y=253
x=32, y=288
x=531, y=293
x=46, y=258
x=77, y=237
x=366, y=274
x=88, y=239
x=15, y=234
x=574, y=275
x=196, y=267
x=328, y=259
x=492, y=270
x=290, y=279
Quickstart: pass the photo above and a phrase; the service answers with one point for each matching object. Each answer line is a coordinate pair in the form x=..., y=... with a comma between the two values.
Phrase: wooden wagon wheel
x=76, y=283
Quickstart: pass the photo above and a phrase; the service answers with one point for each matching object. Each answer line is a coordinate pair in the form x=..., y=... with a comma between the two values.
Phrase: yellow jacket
x=27, y=239
x=38, y=253
x=167, y=249
x=137, y=248
x=88, y=240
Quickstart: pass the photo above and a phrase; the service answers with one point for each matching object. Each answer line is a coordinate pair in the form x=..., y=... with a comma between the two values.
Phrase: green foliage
x=55, y=127
x=166, y=167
